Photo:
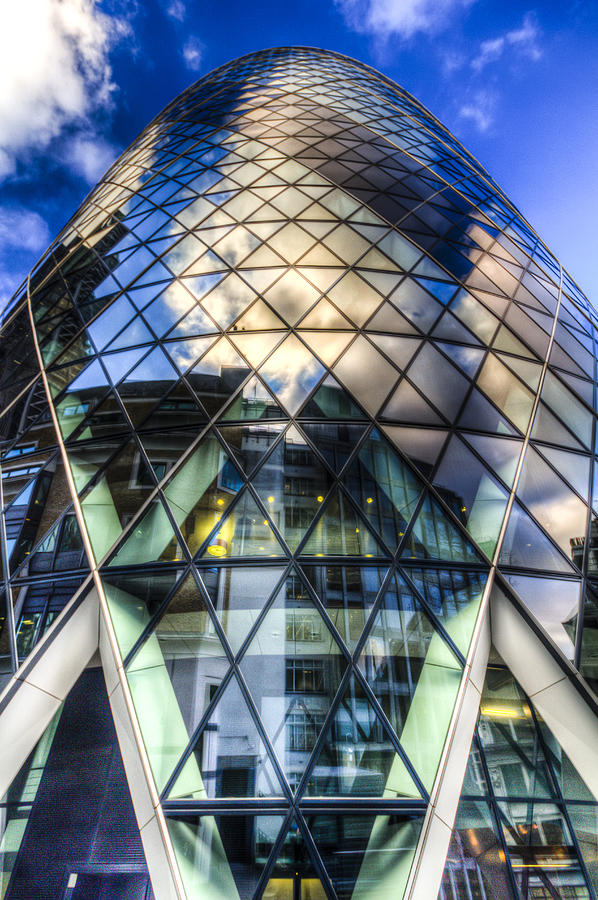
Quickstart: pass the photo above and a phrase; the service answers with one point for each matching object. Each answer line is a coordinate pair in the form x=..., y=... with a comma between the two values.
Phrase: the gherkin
x=298, y=429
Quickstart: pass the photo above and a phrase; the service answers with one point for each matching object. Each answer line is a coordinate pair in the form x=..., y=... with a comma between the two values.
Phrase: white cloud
x=54, y=70
x=90, y=155
x=176, y=10
x=480, y=110
x=405, y=18
x=523, y=41
x=22, y=228
x=192, y=53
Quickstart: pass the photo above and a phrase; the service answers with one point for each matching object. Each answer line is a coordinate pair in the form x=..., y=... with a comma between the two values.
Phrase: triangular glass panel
x=147, y=383
x=480, y=415
x=231, y=759
x=507, y=731
x=547, y=427
x=384, y=488
x=573, y=466
x=294, y=870
x=331, y=401
x=292, y=484
x=501, y=454
x=249, y=443
x=442, y=290
x=454, y=596
x=547, y=497
x=178, y=408
x=334, y=442
x=324, y=315
x=293, y=667
x=185, y=352
x=407, y=405
x=380, y=851
x=254, y=401
x=228, y=300
x=414, y=674
x=115, y=498
x=291, y=296
x=105, y=419
x=473, y=495
x=555, y=604
x=118, y=364
x=327, y=345
x=435, y=536
x=181, y=653
x=292, y=372
x=256, y=346
x=133, y=599
x=341, y=531
x=467, y=358
x=258, y=317
x=421, y=446
x=525, y=545
x=201, y=490
x=244, y=531
x=357, y=757
x=238, y=595
x=218, y=375
x=134, y=335
x=223, y=855
x=348, y=593
x=389, y=319
x=151, y=540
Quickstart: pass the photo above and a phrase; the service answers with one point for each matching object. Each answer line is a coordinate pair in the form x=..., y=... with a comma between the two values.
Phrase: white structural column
x=428, y=866
x=551, y=683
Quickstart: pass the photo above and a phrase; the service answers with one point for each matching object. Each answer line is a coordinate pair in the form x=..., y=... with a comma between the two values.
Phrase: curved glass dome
x=316, y=389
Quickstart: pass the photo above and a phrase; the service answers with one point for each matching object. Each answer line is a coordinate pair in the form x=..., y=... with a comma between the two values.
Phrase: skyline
x=494, y=74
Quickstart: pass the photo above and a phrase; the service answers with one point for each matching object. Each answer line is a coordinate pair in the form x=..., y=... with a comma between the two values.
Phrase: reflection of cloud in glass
x=183, y=254
x=236, y=245
x=219, y=357
x=292, y=372
x=228, y=300
x=184, y=353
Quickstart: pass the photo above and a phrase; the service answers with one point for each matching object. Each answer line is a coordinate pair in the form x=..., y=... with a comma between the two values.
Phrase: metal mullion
x=192, y=739
x=391, y=734
x=323, y=611
x=315, y=856
x=271, y=599
x=361, y=517
x=436, y=621
x=323, y=735
x=274, y=853
x=297, y=554
x=155, y=618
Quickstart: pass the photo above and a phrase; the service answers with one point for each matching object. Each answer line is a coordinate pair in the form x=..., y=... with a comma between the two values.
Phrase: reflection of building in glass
x=292, y=396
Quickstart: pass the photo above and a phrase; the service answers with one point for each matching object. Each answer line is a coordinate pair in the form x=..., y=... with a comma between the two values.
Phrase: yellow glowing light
x=501, y=712
x=463, y=509
x=265, y=521
x=319, y=499
x=270, y=499
x=357, y=531
x=220, y=501
x=262, y=548
x=369, y=500
x=218, y=547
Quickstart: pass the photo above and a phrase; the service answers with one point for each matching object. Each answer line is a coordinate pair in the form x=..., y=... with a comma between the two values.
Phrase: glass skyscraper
x=299, y=518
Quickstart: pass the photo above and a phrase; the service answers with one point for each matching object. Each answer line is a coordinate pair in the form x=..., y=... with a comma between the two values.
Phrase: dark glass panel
x=384, y=487
x=293, y=667
x=358, y=757
x=366, y=852
x=475, y=865
x=224, y=855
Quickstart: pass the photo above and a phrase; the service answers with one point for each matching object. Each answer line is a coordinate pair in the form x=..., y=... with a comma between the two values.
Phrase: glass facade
x=292, y=390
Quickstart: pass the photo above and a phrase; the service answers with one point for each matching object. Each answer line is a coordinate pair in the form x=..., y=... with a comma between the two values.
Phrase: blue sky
x=515, y=82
